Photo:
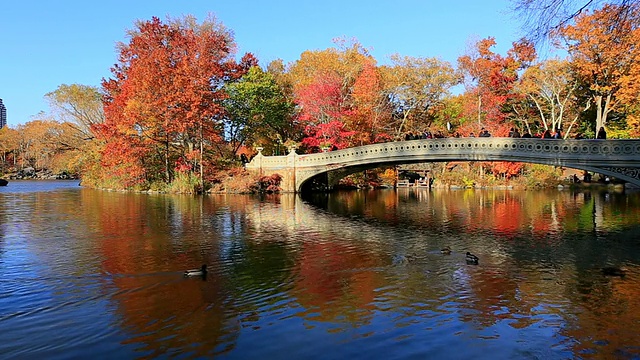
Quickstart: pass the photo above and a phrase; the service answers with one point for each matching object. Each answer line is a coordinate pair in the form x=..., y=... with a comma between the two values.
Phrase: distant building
x=3, y=115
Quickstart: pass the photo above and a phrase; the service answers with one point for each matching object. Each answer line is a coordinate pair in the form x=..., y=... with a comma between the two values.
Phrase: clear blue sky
x=44, y=44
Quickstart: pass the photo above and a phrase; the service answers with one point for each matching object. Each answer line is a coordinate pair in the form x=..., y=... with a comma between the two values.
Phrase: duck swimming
x=471, y=259
x=446, y=251
x=197, y=272
x=614, y=271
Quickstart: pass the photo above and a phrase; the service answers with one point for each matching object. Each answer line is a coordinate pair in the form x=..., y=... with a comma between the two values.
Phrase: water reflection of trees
x=257, y=258
x=542, y=255
x=538, y=215
x=145, y=243
x=608, y=314
x=279, y=257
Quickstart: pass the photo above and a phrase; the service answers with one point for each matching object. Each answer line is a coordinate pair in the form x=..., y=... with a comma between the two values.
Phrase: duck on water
x=471, y=259
x=201, y=272
x=614, y=271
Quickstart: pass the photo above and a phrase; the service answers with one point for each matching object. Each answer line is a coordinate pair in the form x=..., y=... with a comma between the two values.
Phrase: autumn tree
x=345, y=61
x=415, y=87
x=331, y=89
x=77, y=104
x=371, y=107
x=39, y=141
x=9, y=145
x=604, y=50
x=163, y=104
x=492, y=98
x=551, y=87
x=491, y=77
x=278, y=71
x=323, y=113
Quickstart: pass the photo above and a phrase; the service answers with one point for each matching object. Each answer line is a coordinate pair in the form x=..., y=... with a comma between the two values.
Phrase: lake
x=355, y=274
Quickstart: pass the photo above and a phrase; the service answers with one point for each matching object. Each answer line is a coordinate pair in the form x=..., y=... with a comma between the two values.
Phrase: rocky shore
x=30, y=173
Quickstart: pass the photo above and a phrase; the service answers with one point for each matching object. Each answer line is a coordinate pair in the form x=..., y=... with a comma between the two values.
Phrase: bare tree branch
x=541, y=19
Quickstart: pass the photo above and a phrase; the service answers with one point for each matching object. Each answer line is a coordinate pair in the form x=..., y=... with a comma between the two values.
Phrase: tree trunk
x=599, y=121
x=166, y=161
x=602, y=110
x=479, y=109
x=201, y=151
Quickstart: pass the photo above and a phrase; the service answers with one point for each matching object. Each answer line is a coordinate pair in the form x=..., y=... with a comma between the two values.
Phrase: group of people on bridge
x=513, y=133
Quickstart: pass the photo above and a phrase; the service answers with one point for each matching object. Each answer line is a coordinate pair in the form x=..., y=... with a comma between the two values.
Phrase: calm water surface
x=347, y=275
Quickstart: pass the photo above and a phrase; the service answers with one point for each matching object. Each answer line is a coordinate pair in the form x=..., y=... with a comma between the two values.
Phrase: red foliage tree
x=323, y=112
x=164, y=98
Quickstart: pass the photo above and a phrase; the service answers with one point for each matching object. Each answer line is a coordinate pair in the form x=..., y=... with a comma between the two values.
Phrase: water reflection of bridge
x=293, y=215
x=459, y=210
x=617, y=158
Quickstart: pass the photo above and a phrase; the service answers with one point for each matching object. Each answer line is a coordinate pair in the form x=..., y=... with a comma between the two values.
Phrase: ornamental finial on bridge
x=292, y=148
x=260, y=148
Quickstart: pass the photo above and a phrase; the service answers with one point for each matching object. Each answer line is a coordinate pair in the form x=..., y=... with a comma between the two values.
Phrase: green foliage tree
x=258, y=111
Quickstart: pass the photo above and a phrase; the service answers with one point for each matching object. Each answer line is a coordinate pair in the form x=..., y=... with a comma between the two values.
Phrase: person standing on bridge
x=602, y=133
x=557, y=134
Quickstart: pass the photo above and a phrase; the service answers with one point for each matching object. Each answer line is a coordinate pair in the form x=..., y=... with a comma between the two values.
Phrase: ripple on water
x=356, y=281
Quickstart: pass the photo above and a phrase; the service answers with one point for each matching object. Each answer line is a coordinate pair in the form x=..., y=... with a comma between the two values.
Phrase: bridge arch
x=617, y=158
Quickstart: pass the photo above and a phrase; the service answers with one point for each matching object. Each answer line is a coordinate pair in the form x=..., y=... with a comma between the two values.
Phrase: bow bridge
x=616, y=158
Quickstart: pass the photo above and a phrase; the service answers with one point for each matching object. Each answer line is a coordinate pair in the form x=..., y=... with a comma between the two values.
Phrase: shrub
x=270, y=184
x=236, y=181
x=185, y=183
x=543, y=176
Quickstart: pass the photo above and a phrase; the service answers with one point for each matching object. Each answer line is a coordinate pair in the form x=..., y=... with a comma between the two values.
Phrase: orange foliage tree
x=163, y=103
x=491, y=95
x=38, y=142
x=370, y=107
x=9, y=145
x=491, y=78
x=605, y=54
